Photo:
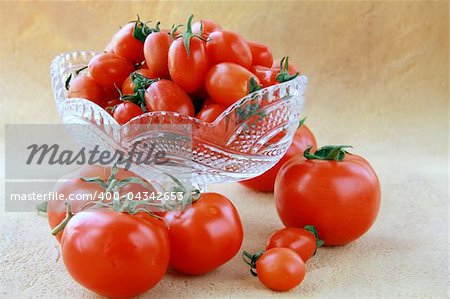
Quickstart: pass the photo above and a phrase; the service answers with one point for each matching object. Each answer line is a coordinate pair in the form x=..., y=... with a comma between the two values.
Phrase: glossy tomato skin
x=128, y=85
x=109, y=70
x=156, y=52
x=261, y=54
x=211, y=112
x=204, y=236
x=164, y=95
x=265, y=182
x=280, y=269
x=208, y=27
x=126, y=46
x=116, y=255
x=341, y=199
x=188, y=71
x=267, y=76
x=86, y=88
x=73, y=184
x=228, y=46
x=126, y=111
x=228, y=82
x=299, y=240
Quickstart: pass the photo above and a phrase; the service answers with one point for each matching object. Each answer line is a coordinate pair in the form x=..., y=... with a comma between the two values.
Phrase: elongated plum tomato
x=228, y=82
x=261, y=54
x=86, y=88
x=117, y=255
x=126, y=111
x=228, y=46
x=84, y=192
x=127, y=46
x=211, y=112
x=299, y=240
x=337, y=192
x=128, y=85
x=280, y=269
x=164, y=95
x=109, y=70
x=208, y=27
x=204, y=236
x=187, y=60
x=266, y=181
x=156, y=52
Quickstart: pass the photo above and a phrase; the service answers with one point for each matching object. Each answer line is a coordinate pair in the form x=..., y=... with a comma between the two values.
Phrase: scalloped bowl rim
x=301, y=79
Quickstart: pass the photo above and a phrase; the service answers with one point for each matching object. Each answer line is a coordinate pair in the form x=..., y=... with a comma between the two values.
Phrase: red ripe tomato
x=85, y=87
x=300, y=240
x=127, y=46
x=280, y=269
x=110, y=70
x=204, y=236
x=228, y=46
x=126, y=111
x=156, y=52
x=228, y=82
x=267, y=76
x=117, y=255
x=292, y=68
x=164, y=95
x=261, y=54
x=207, y=102
x=208, y=27
x=187, y=60
x=211, y=112
x=337, y=192
x=128, y=85
x=265, y=182
x=83, y=192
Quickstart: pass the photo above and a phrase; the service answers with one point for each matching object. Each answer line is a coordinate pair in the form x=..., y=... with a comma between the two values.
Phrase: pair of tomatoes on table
x=199, y=72
x=119, y=249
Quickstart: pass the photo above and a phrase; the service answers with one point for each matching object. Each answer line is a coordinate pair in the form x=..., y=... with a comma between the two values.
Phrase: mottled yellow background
x=378, y=79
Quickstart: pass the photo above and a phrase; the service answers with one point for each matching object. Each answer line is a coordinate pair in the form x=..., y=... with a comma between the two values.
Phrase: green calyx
x=72, y=76
x=328, y=152
x=283, y=75
x=251, y=259
x=142, y=30
x=188, y=35
x=301, y=122
x=253, y=85
x=141, y=83
x=312, y=229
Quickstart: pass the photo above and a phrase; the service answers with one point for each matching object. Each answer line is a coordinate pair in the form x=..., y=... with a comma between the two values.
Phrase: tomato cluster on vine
x=199, y=72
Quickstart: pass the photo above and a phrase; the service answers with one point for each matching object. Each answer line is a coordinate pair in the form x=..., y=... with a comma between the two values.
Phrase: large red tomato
x=117, y=255
x=261, y=54
x=266, y=181
x=204, y=236
x=228, y=46
x=164, y=95
x=337, y=192
x=228, y=82
x=110, y=70
x=156, y=52
x=126, y=45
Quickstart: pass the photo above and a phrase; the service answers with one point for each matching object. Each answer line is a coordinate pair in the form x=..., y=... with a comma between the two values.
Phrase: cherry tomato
x=187, y=61
x=126, y=111
x=267, y=76
x=228, y=46
x=338, y=193
x=127, y=46
x=156, y=52
x=280, y=269
x=164, y=95
x=228, y=82
x=261, y=54
x=117, y=255
x=86, y=88
x=210, y=113
x=109, y=69
x=204, y=236
x=128, y=85
x=208, y=27
x=265, y=182
x=300, y=240
x=83, y=192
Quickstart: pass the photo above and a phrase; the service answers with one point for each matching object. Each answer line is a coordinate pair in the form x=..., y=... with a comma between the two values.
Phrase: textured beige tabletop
x=378, y=79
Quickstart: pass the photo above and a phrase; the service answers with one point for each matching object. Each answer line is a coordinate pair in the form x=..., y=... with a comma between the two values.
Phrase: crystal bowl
x=244, y=141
